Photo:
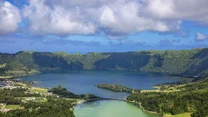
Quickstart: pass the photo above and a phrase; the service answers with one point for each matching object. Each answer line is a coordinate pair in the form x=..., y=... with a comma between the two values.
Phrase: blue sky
x=75, y=26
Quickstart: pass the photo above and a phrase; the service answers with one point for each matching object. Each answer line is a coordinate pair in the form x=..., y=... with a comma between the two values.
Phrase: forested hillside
x=175, y=99
x=188, y=63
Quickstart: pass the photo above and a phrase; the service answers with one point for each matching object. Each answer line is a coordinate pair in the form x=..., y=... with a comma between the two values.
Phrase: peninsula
x=117, y=88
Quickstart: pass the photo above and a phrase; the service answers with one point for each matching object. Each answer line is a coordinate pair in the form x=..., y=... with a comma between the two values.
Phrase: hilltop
x=186, y=63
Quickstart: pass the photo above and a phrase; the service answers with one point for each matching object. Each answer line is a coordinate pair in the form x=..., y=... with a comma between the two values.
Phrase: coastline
x=133, y=102
x=140, y=106
x=14, y=75
x=6, y=77
x=98, y=99
x=78, y=101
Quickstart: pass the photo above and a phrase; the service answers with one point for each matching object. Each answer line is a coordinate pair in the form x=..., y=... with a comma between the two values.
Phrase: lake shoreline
x=67, y=71
x=11, y=82
x=143, y=109
x=91, y=74
x=84, y=101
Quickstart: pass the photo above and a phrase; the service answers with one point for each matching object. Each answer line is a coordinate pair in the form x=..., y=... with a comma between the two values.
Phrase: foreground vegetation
x=23, y=100
x=170, y=100
x=188, y=98
x=54, y=107
x=117, y=88
x=187, y=63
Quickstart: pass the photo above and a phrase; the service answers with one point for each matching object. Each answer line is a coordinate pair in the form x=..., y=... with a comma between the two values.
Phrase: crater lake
x=83, y=82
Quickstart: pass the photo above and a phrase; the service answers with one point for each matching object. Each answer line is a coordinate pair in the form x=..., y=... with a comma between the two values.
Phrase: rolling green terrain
x=186, y=63
x=168, y=99
x=191, y=98
x=117, y=88
x=23, y=100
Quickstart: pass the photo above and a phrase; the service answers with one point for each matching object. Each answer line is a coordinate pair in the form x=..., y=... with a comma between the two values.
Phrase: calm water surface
x=84, y=82
x=110, y=109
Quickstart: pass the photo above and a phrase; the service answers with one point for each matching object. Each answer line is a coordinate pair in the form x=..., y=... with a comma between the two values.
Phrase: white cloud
x=9, y=18
x=58, y=20
x=107, y=17
x=190, y=10
x=115, y=18
x=119, y=17
x=200, y=37
x=123, y=17
x=158, y=8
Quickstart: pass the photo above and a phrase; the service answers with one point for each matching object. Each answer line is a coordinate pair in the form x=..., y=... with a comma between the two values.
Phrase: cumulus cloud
x=115, y=18
x=191, y=10
x=57, y=20
x=64, y=17
x=9, y=18
x=200, y=37
x=124, y=17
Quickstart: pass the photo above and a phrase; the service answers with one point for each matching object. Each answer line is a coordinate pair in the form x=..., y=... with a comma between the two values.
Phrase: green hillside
x=190, y=98
x=187, y=63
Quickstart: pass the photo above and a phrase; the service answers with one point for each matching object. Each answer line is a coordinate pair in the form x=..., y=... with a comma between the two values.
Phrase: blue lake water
x=83, y=82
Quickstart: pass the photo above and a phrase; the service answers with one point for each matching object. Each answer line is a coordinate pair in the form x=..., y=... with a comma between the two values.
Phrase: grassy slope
x=13, y=107
x=179, y=115
x=199, y=87
x=36, y=89
x=38, y=100
x=188, y=63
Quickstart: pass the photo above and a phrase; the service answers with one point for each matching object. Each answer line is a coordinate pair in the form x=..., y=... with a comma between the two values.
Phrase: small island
x=117, y=88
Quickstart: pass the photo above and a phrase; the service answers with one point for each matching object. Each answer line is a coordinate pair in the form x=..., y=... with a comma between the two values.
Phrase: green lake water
x=82, y=82
x=110, y=108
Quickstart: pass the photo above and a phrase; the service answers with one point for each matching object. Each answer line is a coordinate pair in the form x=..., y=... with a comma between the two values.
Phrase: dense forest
x=117, y=88
x=23, y=100
x=176, y=99
x=63, y=92
x=54, y=107
x=49, y=106
x=187, y=63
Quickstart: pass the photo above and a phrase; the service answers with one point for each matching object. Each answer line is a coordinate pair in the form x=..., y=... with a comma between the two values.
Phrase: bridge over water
x=96, y=99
